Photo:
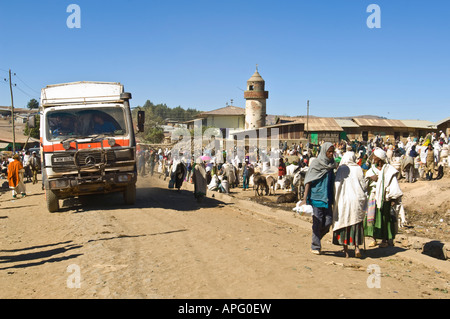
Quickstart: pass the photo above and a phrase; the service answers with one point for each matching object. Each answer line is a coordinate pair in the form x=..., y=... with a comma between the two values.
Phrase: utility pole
x=307, y=119
x=12, y=113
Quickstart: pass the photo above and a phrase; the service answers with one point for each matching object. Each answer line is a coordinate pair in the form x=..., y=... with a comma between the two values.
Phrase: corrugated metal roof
x=378, y=122
x=419, y=124
x=346, y=123
x=317, y=123
x=443, y=121
x=227, y=110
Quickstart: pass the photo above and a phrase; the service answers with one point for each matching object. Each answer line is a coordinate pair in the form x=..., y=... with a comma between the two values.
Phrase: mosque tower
x=255, y=104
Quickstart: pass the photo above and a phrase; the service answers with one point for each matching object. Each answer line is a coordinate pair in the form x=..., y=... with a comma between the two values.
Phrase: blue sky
x=199, y=54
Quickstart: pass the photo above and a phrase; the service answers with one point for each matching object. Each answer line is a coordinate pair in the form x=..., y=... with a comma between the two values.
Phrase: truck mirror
x=125, y=96
x=31, y=121
x=141, y=121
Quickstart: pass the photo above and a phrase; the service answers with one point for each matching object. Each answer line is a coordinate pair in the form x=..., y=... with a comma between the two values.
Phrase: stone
x=434, y=249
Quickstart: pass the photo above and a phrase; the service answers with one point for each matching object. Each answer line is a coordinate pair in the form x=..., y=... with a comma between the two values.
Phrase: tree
x=155, y=117
x=154, y=135
x=33, y=104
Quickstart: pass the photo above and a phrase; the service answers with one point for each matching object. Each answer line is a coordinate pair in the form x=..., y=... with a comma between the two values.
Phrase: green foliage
x=156, y=115
x=159, y=113
x=154, y=135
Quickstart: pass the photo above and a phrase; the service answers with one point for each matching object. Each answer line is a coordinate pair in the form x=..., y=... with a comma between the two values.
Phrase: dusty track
x=166, y=246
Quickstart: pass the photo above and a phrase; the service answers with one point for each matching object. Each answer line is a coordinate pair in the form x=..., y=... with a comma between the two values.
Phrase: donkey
x=260, y=184
x=271, y=184
x=299, y=181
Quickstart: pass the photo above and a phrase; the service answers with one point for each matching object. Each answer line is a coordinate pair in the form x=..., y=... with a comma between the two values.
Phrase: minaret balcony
x=256, y=94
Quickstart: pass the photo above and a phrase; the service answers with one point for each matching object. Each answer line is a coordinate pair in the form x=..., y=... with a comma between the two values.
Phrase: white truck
x=87, y=141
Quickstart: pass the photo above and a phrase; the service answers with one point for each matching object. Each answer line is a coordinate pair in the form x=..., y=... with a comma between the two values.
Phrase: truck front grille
x=67, y=161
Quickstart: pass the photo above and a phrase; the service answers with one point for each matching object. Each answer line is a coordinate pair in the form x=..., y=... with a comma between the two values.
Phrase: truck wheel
x=129, y=195
x=52, y=201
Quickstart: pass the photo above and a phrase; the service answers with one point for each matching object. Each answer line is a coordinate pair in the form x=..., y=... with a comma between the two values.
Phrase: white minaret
x=255, y=104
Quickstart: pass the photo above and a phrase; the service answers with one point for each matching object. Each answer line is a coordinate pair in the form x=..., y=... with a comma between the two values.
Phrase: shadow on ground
x=146, y=197
x=23, y=258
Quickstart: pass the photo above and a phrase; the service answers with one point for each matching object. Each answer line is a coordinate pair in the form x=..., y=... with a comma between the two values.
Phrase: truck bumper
x=70, y=186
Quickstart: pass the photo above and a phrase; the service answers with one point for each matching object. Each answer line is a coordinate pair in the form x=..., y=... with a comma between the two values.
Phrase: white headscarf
x=349, y=158
x=378, y=152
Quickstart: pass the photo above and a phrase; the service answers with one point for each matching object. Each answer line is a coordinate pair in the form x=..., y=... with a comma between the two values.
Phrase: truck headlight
x=123, y=178
x=123, y=155
x=59, y=183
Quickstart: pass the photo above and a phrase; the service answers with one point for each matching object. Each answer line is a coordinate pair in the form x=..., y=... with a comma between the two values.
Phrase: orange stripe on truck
x=59, y=147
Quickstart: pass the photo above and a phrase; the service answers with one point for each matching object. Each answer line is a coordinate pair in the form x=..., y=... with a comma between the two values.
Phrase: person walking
x=189, y=170
x=27, y=167
x=429, y=168
x=34, y=166
x=199, y=179
x=319, y=188
x=152, y=162
x=281, y=169
x=350, y=204
x=408, y=165
x=180, y=174
x=15, y=177
x=246, y=175
x=384, y=193
x=141, y=162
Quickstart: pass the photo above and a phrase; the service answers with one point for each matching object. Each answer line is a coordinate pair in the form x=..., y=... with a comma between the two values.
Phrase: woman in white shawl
x=199, y=179
x=350, y=203
x=384, y=192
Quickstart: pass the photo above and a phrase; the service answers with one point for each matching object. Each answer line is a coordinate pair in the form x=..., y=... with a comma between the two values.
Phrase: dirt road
x=166, y=246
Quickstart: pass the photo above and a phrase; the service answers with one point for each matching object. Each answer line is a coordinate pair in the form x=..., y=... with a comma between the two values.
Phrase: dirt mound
x=427, y=206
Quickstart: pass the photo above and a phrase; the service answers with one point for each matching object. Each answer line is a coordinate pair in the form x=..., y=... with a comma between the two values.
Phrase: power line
x=26, y=84
x=17, y=87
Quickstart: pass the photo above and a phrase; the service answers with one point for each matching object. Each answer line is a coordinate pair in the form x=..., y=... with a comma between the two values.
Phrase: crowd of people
x=352, y=186
x=18, y=169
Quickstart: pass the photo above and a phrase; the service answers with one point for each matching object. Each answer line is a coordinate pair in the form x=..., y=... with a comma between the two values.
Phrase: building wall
x=385, y=132
x=352, y=133
x=415, y=132
x=323, y=136
x=226, y=121
x=293, y=132
x=444, y=127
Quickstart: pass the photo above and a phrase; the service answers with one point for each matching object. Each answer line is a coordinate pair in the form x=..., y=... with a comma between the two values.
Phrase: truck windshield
x=77, y=123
